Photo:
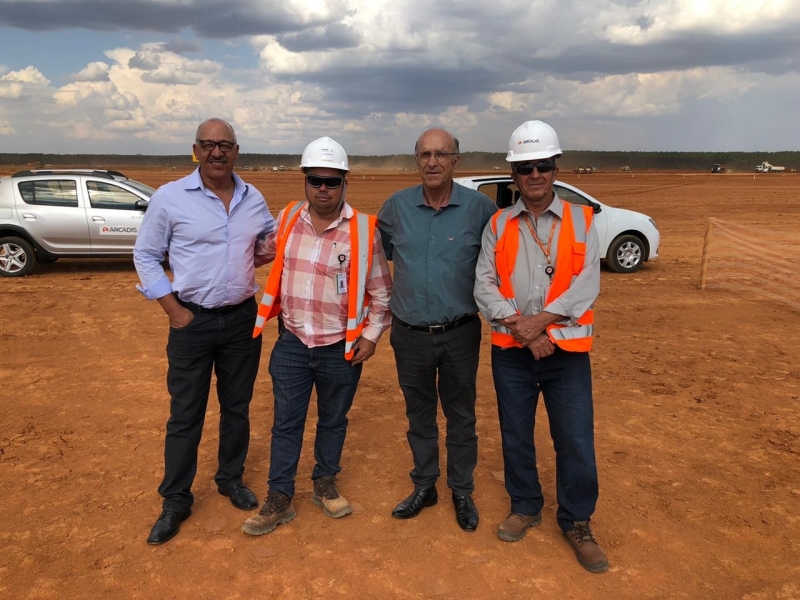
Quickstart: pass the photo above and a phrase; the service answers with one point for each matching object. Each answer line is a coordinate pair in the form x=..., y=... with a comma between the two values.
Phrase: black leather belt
x=220, y=310
x=439, y=328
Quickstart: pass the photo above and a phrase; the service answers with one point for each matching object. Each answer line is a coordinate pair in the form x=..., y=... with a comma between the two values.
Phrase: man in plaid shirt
x=330, y=286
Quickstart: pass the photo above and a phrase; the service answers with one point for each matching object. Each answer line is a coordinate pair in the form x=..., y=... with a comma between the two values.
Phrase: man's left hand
x=527, y=329
x=363, y=349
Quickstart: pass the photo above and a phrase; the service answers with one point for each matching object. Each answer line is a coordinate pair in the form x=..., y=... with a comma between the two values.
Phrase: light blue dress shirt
x=210, y=250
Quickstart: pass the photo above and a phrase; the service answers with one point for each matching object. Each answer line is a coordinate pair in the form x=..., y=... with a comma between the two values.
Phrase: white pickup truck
x=765, y=167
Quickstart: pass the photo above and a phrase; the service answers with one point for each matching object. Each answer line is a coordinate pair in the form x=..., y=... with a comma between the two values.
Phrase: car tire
x=626, y=254
x=17, y=257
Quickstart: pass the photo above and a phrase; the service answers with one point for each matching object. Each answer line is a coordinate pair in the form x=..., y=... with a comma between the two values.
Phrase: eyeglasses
x=331, y=183
x=424, y=157
x=209, y=145
x=543, y=167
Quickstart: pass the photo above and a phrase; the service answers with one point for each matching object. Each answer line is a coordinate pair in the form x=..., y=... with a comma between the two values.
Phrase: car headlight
x=654, y=223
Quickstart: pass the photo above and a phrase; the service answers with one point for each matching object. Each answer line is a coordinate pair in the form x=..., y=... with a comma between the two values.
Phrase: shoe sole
x=425, y=505
x=587, y=566
x=333, y=515
x=282, y=521
x=507, y=537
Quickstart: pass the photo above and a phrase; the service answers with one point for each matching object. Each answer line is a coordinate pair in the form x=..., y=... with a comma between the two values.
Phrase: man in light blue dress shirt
x=210, y=224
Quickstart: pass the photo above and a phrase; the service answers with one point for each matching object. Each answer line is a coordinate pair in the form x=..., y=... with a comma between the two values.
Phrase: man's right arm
x=492, y=304
x=152, y=243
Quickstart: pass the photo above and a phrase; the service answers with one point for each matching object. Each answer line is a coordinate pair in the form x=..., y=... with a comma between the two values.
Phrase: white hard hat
x=325, y=152
x=533, y=140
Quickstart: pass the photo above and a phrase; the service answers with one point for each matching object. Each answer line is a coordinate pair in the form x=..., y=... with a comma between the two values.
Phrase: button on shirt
x=311, y=306
x=434, y=253
x=210, y=249
x=531, y=283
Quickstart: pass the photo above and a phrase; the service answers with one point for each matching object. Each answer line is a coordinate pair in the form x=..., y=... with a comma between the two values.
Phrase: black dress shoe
x=167, y=526
x=241, y=497
x=411, y=506
x=466, y=512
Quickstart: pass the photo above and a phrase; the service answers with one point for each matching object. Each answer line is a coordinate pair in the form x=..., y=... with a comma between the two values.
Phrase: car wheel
x=17, y=257
x=626, y=254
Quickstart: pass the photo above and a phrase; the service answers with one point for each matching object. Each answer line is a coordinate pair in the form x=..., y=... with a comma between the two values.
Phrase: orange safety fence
x=752, y=260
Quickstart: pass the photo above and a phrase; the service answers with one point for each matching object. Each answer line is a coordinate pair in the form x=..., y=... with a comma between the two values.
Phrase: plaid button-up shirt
x=312, y=306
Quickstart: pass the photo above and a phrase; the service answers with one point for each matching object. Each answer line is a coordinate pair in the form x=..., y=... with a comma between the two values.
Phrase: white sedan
x=627, y=239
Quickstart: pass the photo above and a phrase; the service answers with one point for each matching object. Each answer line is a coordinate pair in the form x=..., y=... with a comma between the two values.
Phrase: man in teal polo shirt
x=432, y=232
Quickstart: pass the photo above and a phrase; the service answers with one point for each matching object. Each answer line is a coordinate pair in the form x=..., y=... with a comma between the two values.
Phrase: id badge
x=341, y=283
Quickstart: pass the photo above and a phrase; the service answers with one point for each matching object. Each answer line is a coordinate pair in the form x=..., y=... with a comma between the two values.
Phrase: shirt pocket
x=338, y=259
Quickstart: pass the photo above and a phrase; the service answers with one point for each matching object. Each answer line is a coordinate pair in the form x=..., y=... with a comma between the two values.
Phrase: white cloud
x=96, y=71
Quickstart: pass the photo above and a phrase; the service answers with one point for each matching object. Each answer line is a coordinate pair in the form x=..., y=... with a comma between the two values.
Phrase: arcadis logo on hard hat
x=527, y=142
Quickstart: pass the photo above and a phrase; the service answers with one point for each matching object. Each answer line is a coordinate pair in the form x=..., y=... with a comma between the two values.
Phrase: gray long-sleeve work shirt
x=531, y=283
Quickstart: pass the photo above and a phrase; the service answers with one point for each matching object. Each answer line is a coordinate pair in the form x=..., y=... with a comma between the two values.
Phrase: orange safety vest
x=362, y=238
x=570, y=257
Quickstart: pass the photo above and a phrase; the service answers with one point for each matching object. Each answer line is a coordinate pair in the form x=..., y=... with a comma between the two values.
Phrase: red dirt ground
x=697, y=427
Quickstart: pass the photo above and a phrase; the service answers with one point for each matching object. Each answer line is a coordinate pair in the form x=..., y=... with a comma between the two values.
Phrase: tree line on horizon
x=602, y=160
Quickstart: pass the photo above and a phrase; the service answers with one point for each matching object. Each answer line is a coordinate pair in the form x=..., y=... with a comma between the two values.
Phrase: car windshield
x=145, y=189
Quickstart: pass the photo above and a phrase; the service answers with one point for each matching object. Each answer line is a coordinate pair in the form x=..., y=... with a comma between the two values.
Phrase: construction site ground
x=697, y=436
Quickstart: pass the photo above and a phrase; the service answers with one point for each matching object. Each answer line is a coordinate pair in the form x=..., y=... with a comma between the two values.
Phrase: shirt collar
x=453, y=200
x=556, y=207
x=195, y=182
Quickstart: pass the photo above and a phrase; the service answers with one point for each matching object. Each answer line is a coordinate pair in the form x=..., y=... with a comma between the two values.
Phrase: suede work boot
x=277, y=510
x=589, y=553
x=516, y=526
x=326, y=495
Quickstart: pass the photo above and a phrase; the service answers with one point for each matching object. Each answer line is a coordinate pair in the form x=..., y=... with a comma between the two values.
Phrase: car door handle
x=29, y=216
x=98, y=219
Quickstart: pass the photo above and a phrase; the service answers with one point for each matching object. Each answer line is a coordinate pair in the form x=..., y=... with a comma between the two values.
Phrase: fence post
x=704, y=260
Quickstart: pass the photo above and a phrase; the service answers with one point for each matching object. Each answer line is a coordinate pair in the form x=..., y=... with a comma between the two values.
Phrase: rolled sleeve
x=379, y=288
x=150, y=249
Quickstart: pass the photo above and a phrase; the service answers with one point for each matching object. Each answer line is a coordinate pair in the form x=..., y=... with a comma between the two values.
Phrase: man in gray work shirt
x=537, y=278
x=432, y=232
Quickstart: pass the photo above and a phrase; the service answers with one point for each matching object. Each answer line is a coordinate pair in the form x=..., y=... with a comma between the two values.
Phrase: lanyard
x=545, y=249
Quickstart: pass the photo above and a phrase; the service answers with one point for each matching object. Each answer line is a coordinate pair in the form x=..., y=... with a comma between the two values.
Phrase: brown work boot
x=516, y=526
x=326, y=495
x=277, y=510
x=589, y=553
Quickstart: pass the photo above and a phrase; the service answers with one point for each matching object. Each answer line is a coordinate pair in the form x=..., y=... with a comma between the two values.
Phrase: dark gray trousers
x=433, y=367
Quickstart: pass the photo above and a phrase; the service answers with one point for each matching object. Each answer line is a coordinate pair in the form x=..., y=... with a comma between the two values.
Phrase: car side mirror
x=143, y=204
x=596, y=208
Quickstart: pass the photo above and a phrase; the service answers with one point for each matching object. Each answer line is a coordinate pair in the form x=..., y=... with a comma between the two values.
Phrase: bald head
x=441, y=134
x=215, y=121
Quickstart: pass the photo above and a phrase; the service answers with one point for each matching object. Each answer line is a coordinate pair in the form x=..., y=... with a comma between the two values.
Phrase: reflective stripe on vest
x=570, y=258
x=362, y=238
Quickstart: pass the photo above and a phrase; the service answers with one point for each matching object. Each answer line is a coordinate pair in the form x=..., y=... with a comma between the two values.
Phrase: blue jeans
x=565, y=380
x=295, y=370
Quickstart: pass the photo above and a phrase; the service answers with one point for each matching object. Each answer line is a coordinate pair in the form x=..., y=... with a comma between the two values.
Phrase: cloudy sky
x=138, y=76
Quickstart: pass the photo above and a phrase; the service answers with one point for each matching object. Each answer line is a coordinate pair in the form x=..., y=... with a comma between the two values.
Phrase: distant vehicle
x=627, y=239
x=765, y=167
x=495, y=168
x=626, y=168
x=80, y=213
x=717, y=168
x=587, y=170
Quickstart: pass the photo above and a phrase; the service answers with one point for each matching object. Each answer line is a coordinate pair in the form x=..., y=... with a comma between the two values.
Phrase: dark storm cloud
x=182, y=46
x=208, y=18
x=381, y=89
x=330, y=37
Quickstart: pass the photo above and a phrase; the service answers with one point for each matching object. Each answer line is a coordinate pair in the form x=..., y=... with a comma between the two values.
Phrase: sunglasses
x=543, y=167
x=331, y=183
